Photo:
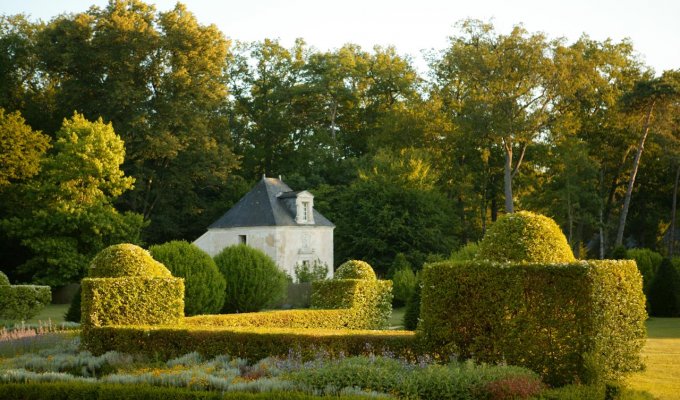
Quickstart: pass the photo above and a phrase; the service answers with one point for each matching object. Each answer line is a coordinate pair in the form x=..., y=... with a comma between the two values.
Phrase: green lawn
x=662, y=357
x=53, y=312
x=397, y=318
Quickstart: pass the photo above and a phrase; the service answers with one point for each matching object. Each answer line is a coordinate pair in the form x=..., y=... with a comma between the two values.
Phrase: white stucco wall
x=286, y=245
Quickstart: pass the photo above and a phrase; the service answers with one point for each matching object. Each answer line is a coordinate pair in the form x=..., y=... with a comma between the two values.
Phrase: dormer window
x=304, y=208
x=305, y=211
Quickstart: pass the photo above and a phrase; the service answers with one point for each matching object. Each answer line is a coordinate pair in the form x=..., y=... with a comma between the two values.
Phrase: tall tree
x=646, y=97
x=68, y=215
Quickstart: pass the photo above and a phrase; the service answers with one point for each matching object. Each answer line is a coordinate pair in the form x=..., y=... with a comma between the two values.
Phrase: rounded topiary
x=126, y=260
x=253, y=279
x=525, y=237
x=4, y=280
x=355, y=269
x=204, y=286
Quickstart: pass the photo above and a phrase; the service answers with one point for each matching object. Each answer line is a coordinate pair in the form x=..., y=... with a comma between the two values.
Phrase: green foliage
x=355, y=269
x=404, y=284
x=619, y=253
x=409, y=381
x=664, y=291
x=306, y=272
x=133, y=300
x=69, y=215
x=204, y=285
x=465, y=253
x=21, y=302
x=307, y=319
x=253, y=279
x=560, y=320
x=73, y=314
x=367, y=302
x=412, y=313
x=21, y=148
x=98, y=391
x=248, y=342
x=124, y=260
x=648, y=262
x=525, y=237
x=4, y=280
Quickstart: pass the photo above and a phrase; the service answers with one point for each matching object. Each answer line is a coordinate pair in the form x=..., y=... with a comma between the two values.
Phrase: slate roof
x=262, y=207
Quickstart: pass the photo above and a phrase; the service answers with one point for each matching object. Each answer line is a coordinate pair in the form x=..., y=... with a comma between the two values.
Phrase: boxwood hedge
x=571, y=322
x=21, y=302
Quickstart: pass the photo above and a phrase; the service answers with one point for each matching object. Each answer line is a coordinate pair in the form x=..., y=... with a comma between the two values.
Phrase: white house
x=280, y=222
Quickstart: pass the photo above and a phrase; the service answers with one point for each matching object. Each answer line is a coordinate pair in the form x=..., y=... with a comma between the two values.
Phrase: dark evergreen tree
x=664, y=292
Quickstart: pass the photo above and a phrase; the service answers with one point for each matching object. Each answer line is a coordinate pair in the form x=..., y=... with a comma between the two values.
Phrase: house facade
x=277, y=220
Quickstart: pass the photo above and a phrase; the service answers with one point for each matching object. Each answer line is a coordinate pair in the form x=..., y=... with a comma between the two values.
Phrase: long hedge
x=572, y=322
x=131, y=301
x=21, y=302
x=98, y=391
x=251, y=343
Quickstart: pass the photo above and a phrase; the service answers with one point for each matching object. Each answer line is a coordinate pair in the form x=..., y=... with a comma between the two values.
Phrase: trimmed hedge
x=132, y=301
x=99, y=391
x=4, y=280
x=525, y=237
x=252, y=343
x=203, y=283
x=125, y=259
x=368, y=302
x=576, y=322
x=21, y=302
x=355, y=269
x=323, y=319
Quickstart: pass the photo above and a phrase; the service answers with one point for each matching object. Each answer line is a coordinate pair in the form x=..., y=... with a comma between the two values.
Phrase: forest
x=128, y=124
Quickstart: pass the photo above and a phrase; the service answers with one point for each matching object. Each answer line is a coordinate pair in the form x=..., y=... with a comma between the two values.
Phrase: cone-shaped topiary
x=355, y=269
x=525, y=237
x=126, y=260
x=4, y=280
x=203, y=284
x=253, y=279
x=664, y=291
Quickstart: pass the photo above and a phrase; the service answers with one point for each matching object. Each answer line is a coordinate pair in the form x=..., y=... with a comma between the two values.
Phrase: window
x=242, y=239
x=305, y=211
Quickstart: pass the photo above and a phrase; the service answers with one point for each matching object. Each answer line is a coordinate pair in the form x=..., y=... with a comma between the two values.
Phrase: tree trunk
x=601, y=233
x=507, y=178
x=671, y=238
x=631, y=181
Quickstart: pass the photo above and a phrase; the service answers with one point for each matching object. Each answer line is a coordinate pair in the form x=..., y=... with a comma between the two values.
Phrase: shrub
x=21, y=302
x=412, y=313
x=413, y=381
x=4, y=280
x=248, y=342
x=648, y=263
x=203, y=284
x=525, y=237
x=355, y=269
x=465, y=253
x=664, y=291
x=306, y=272
x=73, y=312
x=149, y=295
x=404, y=283
x=558, y=320
x=125, y=260
x=253, y=279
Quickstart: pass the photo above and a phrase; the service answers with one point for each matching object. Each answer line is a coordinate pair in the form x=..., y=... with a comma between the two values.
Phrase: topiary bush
x=21, y=302
x=4, y=280
x=404, y=283
x=648, y=262
x=73, y=312
x=355, y=269
x=465, y=253
x=125, y=260
x=204, y=285
x=664, y=291
x=525, y=237
x=148, y=294
x=253, y=279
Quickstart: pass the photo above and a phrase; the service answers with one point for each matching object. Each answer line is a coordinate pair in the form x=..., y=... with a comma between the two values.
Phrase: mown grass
x=52, y=312
x=662, y=357
x=397, y=318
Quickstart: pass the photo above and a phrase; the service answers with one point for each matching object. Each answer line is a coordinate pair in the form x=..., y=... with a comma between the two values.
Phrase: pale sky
x=413, y=26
